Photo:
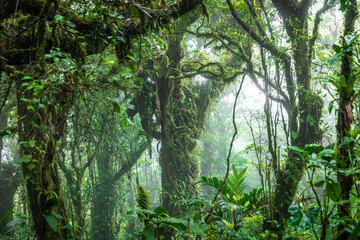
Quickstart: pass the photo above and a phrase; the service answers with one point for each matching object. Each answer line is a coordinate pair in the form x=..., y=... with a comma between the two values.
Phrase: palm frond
x=236, y=180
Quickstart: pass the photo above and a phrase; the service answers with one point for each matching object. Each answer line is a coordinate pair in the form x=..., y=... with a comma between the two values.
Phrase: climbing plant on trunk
x=345, y=86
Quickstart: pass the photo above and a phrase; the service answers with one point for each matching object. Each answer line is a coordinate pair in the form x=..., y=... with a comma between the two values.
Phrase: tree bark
x=344, y=121
x=182, y=119
x=105, y=198
x=39, y=133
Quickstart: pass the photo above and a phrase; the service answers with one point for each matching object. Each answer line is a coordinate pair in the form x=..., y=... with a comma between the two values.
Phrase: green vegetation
x=179, y=119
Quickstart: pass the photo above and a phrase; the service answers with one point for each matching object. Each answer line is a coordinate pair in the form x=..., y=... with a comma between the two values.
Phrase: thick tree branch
x=192, y=68
x=257, y=19
x=134, y=157
x=274, y=50
x=96, y=32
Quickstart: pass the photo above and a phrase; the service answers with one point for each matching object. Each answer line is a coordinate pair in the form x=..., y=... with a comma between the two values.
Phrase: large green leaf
x=182, y=225
x=327, y=154
x=52, y=221
x=236, y=181
x=216, y=183
x=176, y=223
x=313, y=148
x=233, y=188
x=302, y=221
x=160, y=211
x=333, y=190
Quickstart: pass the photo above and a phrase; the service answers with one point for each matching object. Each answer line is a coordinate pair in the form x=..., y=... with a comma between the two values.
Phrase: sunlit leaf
x=58, y=17
x=26, y=78
x=297, y=149
x=350, y=38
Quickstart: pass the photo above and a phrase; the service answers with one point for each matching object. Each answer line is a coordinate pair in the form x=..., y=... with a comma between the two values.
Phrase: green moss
x=143, y=202
x=143, y=199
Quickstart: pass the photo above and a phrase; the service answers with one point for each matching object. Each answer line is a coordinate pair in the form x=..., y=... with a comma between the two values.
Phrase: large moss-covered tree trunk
x=181, y=105
x=182, y=124
x=39, y=132
x=344, y=121
x=42, y=111
x=183, y=109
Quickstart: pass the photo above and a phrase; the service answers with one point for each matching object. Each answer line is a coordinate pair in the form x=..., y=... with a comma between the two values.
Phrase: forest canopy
x=179, y=119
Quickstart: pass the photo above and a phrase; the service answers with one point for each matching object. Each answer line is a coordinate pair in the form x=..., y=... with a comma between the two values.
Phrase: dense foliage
x=187, y=119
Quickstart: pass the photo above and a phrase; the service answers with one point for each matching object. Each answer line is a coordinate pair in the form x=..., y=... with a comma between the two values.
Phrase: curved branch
x=133, y=159
x=275, y=51
x=273, y=86
x=279, y=100
x=315, y=33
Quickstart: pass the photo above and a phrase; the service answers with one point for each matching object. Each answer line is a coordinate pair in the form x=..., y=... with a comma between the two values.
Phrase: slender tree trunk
x=131, y=202
x=103, y=206
x=105, y=190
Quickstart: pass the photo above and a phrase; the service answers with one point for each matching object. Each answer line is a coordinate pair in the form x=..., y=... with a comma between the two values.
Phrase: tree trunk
x=180, y=170
x=39, y=132
x=308, y=112
x=343, y=126
x=105, y=192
